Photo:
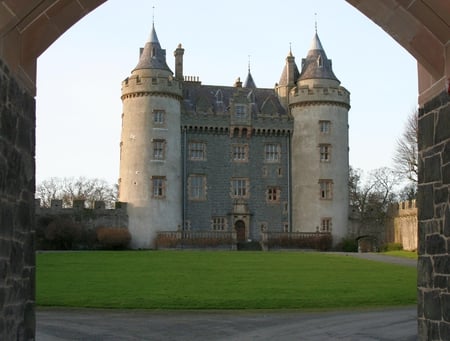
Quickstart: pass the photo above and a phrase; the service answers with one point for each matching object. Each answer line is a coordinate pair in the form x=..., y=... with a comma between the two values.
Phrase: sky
x=79, y=76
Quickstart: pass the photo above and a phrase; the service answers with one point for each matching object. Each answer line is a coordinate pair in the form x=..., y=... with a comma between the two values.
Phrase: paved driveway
x=78, y=324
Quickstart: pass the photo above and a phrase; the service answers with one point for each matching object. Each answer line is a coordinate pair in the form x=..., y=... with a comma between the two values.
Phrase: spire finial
x=153, y=15
x=249, y=63
x=315, y=22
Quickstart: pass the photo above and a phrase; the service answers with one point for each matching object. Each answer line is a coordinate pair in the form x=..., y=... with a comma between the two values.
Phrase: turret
x=319, y=107
x=288, y=78
x=150, y=155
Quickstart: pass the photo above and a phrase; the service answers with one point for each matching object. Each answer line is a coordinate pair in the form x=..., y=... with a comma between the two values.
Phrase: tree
x=406, y=153
x=372, y=197
x=70, y=189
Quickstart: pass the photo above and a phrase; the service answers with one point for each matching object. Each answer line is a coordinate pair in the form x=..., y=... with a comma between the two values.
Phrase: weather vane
x=315, y=21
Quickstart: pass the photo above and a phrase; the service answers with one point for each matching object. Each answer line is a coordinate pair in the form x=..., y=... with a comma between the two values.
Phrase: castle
x=234, y=158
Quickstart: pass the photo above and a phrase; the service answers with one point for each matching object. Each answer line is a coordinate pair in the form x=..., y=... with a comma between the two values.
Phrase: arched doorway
x=239, y=227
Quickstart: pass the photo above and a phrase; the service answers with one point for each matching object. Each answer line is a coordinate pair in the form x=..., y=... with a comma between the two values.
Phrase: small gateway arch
x=29, y=27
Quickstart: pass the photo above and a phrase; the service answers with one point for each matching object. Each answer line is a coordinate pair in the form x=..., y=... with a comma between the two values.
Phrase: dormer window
x=240, y=112
x=219, y=97
x=319, y=61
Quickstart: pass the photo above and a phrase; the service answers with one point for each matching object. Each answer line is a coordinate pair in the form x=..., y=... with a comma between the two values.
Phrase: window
x=272, y=152
x=240, y=112
x=240, y=188
x=324, y=127
x=326, y=187
x=240, y=152
x=219, y=223
x=187, y=225
x=159, y=117
x=197, y=151
x=325, y=225
x=285, y=227
x=197, y=187
x=158, y=187
x=325, y=150
x=263, y=226
x=285, y=207
x=159, y=147
x=273, y=194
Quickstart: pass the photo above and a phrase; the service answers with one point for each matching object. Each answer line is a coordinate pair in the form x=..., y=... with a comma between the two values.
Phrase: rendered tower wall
x=145, y=92
x=312, y=102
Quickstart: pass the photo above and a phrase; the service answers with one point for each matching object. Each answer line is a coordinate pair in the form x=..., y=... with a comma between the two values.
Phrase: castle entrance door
x=239, y=226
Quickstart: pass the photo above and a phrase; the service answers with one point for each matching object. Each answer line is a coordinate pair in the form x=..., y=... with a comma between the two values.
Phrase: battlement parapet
x=145, y=85
x=309, y=94
x=403, y=208
x=56, y=205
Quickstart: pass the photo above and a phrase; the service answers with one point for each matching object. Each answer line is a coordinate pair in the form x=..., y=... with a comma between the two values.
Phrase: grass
x=219, y=280
x=403, y=254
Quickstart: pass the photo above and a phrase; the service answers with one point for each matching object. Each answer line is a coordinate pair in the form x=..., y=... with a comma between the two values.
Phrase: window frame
x=219, y=223
x=273, y=194
x=159, y=117
x=272, y=152
x=324, y=127
x=240, y=155
x=159, y=187
x=242, y=190
x=195, y=153
x=197, y=191
x=326, y=189
x=325, y=152
x=158, y=149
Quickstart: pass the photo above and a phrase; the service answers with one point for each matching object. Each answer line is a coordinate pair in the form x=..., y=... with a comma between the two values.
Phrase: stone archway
x=29, y=27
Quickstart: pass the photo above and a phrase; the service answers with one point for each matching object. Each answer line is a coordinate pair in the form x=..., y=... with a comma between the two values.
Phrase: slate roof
x=316, y=64
x=213, y=99
x=249, y=82
x=152, y=56
x=284, y=76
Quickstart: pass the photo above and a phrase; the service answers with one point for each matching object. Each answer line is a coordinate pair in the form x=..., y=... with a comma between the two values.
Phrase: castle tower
x=150, y=154
x=288, y=78
x=319, y=107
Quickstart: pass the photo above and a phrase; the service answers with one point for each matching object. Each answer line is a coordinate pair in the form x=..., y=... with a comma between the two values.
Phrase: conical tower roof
x=316, y=65
x=152, y=56
x=284, y=78
x=249, y=82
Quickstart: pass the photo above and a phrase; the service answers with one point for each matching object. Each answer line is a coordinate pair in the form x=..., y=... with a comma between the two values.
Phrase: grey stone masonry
x=434, y=220
x=17, y=181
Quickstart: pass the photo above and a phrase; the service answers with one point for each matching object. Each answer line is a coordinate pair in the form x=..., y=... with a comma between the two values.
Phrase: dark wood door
x=240, y=231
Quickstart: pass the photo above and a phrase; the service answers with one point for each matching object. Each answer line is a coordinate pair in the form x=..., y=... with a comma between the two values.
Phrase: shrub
x=321, y=242
x=63, y=234
x=392, y=247
x=112, y=238
x=348, y=245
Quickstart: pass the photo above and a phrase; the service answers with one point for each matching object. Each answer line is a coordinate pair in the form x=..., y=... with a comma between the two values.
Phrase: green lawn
x=219, y=280
x=402, y=253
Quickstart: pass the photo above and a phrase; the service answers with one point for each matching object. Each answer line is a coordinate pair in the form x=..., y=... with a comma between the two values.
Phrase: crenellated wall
x=91, y=218
x=402, y=224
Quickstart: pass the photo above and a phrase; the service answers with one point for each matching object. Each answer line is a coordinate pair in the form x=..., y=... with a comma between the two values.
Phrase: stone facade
x=17, y=260
x=252, y=159
x=434, y=219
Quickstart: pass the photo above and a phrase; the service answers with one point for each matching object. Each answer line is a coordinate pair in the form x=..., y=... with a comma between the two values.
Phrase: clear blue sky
x=79, y=76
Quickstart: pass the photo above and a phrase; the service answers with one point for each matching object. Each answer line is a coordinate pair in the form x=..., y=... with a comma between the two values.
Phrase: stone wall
x=434, y=219
x=17, y=262
x=90, y=218
x=402, y=221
